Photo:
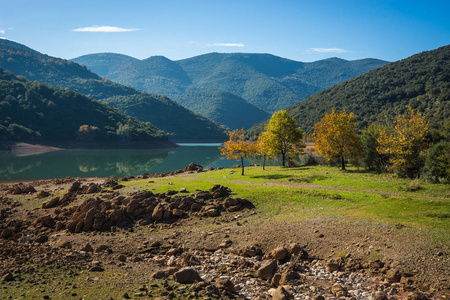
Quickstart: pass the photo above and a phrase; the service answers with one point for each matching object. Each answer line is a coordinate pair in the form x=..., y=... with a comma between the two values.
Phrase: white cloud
x=326, y=50
x=2, y=31
x=97, y=28
x=226, y=45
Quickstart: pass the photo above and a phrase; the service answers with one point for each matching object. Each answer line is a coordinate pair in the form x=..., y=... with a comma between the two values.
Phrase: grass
x=302, y=192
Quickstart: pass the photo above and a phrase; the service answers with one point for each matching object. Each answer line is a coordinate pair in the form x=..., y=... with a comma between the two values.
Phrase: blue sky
x=303, y=30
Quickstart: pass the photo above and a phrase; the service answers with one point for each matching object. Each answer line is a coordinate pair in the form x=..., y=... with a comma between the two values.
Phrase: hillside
x=57, y=72
x=196, y=128
x=421, y=82
x=35, y=111
x=266, y=81
x=105, y=63
x=223, y=108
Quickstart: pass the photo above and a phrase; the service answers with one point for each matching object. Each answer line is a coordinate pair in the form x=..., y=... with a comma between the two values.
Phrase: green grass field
x=302, y=192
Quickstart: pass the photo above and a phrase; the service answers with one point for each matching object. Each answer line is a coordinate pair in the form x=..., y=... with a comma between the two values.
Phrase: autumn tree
x=336, y=136
x=407, y=144
x=264, y=148
x=238, y=147
x=282, y=136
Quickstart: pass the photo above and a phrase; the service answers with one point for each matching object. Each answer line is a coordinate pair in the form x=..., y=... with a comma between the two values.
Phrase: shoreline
x=30, y=147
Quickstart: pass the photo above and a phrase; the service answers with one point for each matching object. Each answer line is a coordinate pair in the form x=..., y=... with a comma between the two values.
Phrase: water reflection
x=104, y=163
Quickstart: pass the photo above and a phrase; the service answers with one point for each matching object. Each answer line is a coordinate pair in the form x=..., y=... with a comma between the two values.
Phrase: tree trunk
x=242, y=165
x=264, y=162
x=342, y=163
x=284, y=157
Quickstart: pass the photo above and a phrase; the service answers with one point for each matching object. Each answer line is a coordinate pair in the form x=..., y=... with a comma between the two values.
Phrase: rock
x=295, y=249
x=193, y=168
x=176, y=212
x=42, y=194
x=288, y=276
x=158, y=212
x=8, y=277
x=96, y=269
x=203, y=195
x=332, y=266
x=64, y=244
x=101, y=248
x=276, y=280
x=122, y=258
x=46, y=221
x=393, y=275
x=212, y=212
x=164, y=273
x=6, y=233
x=132, y=206
x=282, y=294
x=51, y=203
x=279, y=253
x=41, y=239
x=126, y=296
x=225, y=244
x=267, y=269
x=380, y=295
x=173, y=251
x=320, y=297
x=250, y=251
x=87, y=248
x=187, y=276
x=74, y=187
x=338, y=290
x=225, y=284
x=116, y=215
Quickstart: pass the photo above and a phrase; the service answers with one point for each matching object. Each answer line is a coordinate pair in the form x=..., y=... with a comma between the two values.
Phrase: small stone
x=186, y=276
x=267, y=270
x=8, y=277
x=282, y=294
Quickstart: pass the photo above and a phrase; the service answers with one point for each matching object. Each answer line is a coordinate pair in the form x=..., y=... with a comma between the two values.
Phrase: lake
x=107, y=163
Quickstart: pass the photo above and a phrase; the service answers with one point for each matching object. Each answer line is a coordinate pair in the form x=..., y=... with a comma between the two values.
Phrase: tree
x=372, y=159
x=437, y=163
x=263, y=147
x=282, y=136
x=336, y=136
x=407, y=145
x=238, y=147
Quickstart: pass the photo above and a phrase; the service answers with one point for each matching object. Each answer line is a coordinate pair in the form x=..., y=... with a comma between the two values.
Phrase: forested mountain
x=222, y=107
x=35, y=111
x=421, y=82
x=33, y=65
x=104, y=63
x=266, y=81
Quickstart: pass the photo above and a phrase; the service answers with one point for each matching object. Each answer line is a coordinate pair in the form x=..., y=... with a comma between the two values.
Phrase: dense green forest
x=35, y=111
x=195, y=127
x=421, y=82
x=57, y=72
x=105, y=63
x=222, y=107
x=266, y=81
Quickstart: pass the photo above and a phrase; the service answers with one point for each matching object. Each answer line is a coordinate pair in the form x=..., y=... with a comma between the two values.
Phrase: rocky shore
x=180, y=244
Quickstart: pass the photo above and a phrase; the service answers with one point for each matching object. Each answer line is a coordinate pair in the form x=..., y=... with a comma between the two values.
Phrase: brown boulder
x=267, y=270
x=158, y=212
x=164, y=273
x=64, y=244
x=42, y=194
x=187, y=276
x=380, y=295
x=279, y=253
x=6, y=233
x=393, y=275
x=225, y=284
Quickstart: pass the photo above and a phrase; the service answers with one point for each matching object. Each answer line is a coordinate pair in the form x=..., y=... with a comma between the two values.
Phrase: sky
x=302, y=30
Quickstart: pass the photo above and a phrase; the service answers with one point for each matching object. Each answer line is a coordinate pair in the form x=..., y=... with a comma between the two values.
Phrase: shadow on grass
x=272, y=176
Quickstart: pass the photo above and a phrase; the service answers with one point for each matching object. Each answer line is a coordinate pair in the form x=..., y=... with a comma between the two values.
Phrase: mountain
x=222, y=107
x=268, y=82
x=57, y=72
x=421, y=82
x=105, y=63
x=35, y=111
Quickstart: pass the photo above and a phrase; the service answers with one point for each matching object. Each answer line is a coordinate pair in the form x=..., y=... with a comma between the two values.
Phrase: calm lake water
x=106, y=163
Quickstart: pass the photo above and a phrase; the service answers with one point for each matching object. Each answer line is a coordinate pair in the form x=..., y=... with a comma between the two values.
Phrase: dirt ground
x=140, y=234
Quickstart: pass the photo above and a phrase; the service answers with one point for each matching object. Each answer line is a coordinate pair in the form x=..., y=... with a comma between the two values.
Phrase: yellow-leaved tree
x=264, y=148
x=407, y=145
x=336, y=136
x=238, y=147
x=282, y=136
